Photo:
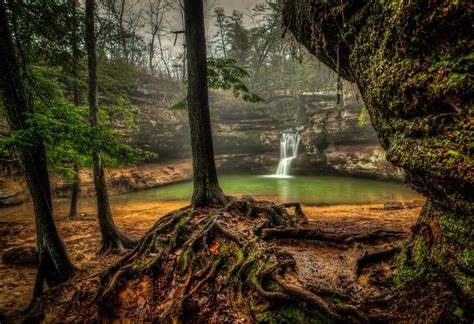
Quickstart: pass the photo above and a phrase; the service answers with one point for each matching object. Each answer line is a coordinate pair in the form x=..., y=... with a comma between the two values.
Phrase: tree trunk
x=206, y=186
x=75, y=193
x=75, y=73
x=112, y=239
x=152, y=54
x=163, y=58
x=122, y=33
x=55, y=266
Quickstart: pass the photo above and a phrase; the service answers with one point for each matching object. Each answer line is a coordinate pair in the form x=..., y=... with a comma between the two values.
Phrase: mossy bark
x=412, y=63
x=442, y=240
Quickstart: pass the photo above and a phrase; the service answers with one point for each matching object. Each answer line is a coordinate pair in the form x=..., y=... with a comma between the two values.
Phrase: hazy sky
x=241, y=5
x=245, y=6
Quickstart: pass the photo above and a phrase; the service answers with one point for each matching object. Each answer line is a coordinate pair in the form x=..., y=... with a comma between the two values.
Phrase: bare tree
x=155, y=15
x=220, y=23
x=124, y=22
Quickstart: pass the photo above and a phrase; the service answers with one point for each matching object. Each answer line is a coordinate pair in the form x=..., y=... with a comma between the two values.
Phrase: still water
x=305, y=189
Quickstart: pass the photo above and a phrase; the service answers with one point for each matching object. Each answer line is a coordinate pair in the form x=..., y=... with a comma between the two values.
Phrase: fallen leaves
x=214, y=248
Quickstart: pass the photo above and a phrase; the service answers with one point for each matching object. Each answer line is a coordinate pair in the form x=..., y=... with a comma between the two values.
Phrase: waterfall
x=289, y=143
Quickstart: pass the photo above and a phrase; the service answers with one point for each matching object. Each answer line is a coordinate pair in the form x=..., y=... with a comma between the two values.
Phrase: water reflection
x=307, y=189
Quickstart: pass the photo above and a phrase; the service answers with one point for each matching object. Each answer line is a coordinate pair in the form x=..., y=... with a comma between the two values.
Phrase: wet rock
x=21, y=255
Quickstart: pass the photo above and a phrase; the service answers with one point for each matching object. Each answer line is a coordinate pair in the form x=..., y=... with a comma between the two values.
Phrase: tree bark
x=206, y=186
x=112, y=239
x=75, y=193
x=162, y=55
x=75, y=73
x=152, y=54
x=55, y=266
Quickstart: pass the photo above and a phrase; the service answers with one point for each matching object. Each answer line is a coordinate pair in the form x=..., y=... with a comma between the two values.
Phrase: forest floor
x=323, y=265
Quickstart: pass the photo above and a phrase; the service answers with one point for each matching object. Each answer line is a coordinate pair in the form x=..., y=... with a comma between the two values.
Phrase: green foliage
x=459, y=312
x=46, y=29
x=224, y=74
x=116, y=82
x=363, y=116
x=65, y=130
x=179, y=105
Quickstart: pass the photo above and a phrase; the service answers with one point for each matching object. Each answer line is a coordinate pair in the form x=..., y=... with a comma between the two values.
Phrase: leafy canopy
x=64, y=129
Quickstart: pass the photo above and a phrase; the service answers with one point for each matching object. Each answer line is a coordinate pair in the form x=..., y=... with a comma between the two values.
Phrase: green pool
x=306, y=189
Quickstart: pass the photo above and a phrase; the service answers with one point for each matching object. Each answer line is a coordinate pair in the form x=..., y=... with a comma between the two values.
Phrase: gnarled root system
x=208, y=264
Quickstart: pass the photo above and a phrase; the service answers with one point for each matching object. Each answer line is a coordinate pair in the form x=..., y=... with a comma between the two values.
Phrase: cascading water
x=289, y=143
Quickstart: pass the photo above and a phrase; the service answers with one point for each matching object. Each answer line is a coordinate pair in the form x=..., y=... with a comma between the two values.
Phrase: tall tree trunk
x=206, y=186
x=162, y=55
x=75, y=193
x=183, y=19
x=122, y=33
x=152, y=54
x=75, y=73
x=55, y=266
x=112, y=239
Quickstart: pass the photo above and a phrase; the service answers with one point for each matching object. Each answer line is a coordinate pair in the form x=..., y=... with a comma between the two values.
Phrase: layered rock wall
x=246, y=140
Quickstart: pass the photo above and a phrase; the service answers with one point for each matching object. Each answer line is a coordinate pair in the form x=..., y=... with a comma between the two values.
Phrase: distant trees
x=222, y=29
x=155, y=14
x=271, y=61
x=134, y=32
x=120, y=29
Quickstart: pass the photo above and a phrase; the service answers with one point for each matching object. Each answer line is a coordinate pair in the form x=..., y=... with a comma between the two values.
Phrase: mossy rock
x=413, y=63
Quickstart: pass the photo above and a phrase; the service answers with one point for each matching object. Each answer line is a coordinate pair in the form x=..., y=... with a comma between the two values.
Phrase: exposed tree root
x=373, y=258
x=316, y=234
x=212, y=265
x=118, y=244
